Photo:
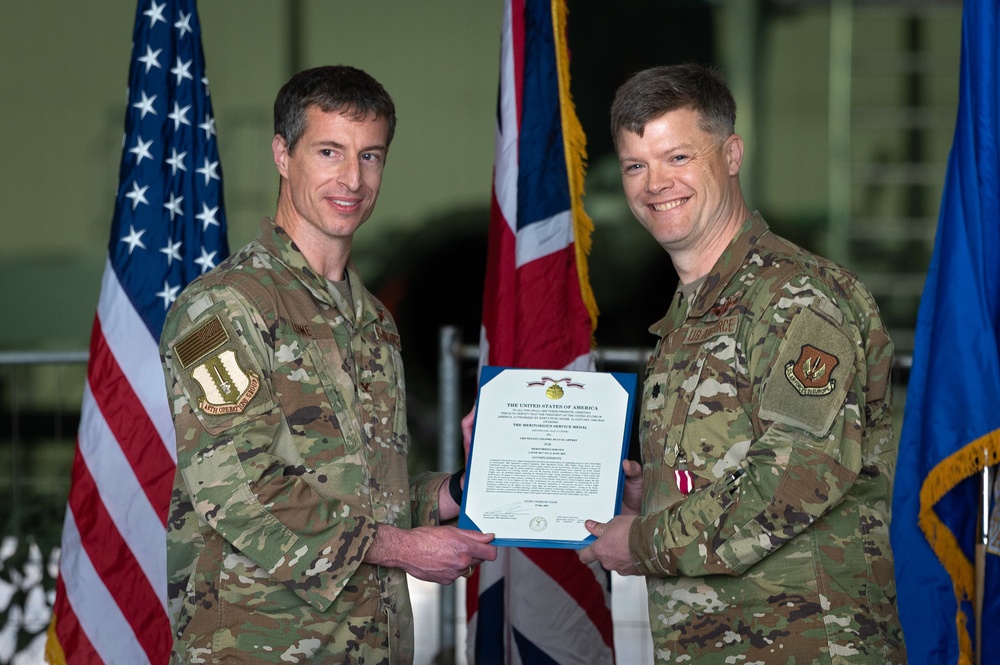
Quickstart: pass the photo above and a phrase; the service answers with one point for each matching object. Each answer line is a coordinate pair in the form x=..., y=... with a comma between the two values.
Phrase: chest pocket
x=316, y=393
x=380, y=392
x=718, y=400
x=693, y=399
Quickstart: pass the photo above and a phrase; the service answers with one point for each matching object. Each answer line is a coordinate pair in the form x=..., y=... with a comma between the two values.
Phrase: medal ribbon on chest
x=683, y=477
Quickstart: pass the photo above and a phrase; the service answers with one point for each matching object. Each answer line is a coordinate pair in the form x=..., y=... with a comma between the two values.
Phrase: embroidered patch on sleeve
x=226, y=387
x=206, y=338
x=812, y=373
x=808, y=384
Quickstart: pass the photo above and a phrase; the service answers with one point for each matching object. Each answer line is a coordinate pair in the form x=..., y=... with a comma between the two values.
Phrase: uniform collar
x=717, y=280
x=279, y=244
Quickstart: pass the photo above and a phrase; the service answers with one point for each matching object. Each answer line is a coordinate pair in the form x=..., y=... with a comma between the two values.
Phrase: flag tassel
x=575, y=147
x=945, y=476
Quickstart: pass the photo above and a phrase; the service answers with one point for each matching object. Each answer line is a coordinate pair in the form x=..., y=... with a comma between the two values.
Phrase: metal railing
x=452, y=355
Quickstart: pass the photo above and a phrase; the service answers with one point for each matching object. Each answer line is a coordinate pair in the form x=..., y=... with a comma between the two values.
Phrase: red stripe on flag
x=552, y=320
x=517, y=39
x=521, y=305
x=72, y=639
x=578, y=581
x=500, y=289
x=115, y=564
x=129, y=421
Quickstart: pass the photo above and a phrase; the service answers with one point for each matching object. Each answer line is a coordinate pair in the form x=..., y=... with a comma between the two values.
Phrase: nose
x=658, y=178
x=349, y=174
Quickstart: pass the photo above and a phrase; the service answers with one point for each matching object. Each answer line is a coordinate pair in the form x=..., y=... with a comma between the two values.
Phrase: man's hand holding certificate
x=546, y=454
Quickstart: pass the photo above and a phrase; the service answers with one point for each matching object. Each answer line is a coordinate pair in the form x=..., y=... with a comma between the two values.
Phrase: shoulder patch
x=809, y=383
x=226, y=386
x=204, y=339
x=812, y=373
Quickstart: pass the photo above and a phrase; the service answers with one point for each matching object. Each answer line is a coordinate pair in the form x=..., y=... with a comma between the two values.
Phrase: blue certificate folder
x=541, y=468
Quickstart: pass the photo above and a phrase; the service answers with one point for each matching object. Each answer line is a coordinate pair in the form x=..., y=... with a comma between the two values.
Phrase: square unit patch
x=808, y=384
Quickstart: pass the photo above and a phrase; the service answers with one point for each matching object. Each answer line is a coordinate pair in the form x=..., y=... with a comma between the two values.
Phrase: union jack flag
x=538, y=605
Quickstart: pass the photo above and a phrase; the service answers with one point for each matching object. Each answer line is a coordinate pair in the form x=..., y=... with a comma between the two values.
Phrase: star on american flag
x=170, y=137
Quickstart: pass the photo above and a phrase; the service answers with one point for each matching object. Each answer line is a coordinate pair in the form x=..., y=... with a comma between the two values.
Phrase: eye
x=370, y=157
x=326, y=152
x=678, y=159
x=631, y=168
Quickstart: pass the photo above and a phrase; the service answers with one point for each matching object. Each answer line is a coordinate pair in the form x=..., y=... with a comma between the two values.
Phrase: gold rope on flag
x=968, y=461
x=575, y=147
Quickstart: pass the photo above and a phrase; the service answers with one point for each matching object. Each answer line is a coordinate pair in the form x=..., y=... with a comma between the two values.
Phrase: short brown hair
x=652, y=92
x=332, y=88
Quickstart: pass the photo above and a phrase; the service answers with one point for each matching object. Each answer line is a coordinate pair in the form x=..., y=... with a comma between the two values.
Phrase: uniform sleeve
x=424, y=490
x=230, y=436
x=807, y=373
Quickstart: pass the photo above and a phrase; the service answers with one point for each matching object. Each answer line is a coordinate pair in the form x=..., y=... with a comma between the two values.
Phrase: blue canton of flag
x=169, y=225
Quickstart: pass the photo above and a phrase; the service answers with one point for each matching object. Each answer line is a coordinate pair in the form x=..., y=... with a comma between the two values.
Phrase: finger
x=631, y=468
x=587, y=555
x=467, y=423
x=478, y=535
x=596, y=528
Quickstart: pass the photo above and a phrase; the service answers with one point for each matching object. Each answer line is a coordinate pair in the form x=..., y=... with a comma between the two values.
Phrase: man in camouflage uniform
x=760, y=515
x=289, y=535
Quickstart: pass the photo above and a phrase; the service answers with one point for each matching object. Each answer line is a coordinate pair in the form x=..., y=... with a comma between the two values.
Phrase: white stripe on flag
x=549, y=614
x=122, y=495
x=506, y=159
x=544, y=237
x=136, y=352
x=103, y=623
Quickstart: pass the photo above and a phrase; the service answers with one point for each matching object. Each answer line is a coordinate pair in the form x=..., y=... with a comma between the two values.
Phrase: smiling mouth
x=343, y=203
x=661, y=207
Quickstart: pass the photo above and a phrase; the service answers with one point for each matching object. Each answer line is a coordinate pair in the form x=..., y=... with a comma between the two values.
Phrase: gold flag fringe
x=945, y=476
x=53, y=650
x=575, y=148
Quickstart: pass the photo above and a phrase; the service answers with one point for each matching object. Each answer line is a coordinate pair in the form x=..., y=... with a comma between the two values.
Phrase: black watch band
x=455, y=486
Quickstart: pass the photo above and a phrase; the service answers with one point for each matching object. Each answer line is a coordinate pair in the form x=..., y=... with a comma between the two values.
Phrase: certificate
x=546, y=454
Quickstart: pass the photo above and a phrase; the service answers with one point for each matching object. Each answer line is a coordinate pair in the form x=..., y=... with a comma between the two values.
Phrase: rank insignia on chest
x=726, y=304
x=812, y=373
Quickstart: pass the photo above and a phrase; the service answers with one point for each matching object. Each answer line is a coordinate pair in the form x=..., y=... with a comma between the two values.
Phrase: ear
x=279, y=148
x=734, y=153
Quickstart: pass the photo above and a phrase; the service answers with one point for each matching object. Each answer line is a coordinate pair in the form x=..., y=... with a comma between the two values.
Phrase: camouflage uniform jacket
x=291, y=447
x=770, y=386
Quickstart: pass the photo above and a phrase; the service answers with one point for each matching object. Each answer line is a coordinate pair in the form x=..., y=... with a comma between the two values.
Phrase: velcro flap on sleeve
x=809, y=382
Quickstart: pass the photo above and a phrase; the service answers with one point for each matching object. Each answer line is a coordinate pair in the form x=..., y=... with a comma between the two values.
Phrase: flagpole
x=984, y=538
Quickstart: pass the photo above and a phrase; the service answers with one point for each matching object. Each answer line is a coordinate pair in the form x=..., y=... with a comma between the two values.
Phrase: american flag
x=538, y=605
x=168, y=228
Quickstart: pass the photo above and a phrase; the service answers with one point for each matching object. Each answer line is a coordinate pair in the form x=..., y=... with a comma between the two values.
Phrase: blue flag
x=951, y=427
